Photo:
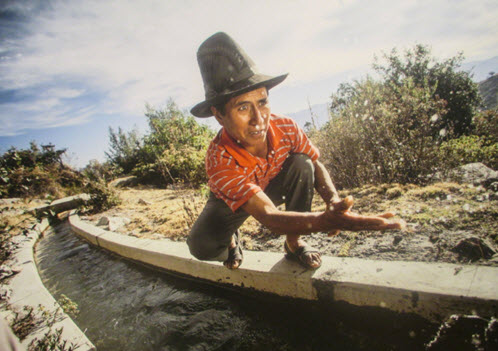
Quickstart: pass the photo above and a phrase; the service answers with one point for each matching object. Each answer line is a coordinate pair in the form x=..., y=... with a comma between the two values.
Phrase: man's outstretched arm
x=338, y=217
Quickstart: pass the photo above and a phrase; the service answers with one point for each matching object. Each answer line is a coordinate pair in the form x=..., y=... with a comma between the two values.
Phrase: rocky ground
x=447, y=221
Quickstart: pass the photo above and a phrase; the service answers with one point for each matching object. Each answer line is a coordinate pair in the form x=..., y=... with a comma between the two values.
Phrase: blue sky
x=70, y=69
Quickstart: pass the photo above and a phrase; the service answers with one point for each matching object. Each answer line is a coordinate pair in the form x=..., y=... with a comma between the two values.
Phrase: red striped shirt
x=235, y=175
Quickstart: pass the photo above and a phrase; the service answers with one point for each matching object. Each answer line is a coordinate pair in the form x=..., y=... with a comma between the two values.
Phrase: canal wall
x=27, y=289
x=433, y=291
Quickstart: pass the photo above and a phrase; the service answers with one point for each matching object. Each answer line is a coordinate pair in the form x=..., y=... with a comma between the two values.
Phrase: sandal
x=234, y=253
x=300, y=255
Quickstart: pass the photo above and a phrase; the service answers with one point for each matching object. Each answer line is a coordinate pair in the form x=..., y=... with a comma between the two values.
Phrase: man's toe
x=314, y=260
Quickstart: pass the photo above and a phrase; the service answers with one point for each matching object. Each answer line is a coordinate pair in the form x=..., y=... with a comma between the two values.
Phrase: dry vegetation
x=438, y=216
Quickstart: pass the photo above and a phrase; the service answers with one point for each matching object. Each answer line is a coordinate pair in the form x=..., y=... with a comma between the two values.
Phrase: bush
x=96, y=171
x=35, y=172
x=480, y=146
x=124, y=150
x=172, y=152
x=468, y=149
x=102, y=196
x=381, y=135
x=486, y=126
x=448, y=82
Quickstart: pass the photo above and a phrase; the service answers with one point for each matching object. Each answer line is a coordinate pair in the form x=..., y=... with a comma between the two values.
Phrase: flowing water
x=127, y=306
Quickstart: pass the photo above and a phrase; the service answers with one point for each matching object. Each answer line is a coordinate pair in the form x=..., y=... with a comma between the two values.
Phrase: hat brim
x=203, y=109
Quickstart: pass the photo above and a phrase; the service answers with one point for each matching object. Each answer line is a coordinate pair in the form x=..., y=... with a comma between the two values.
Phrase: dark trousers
x=211, y=234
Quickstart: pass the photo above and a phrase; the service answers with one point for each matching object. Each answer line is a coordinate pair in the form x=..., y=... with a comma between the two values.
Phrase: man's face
x=246, y=119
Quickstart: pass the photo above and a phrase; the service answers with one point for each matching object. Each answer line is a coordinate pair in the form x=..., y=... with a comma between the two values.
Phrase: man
x=258, y=161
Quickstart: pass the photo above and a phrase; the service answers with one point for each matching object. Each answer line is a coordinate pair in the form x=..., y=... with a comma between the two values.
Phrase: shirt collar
x=243, y=157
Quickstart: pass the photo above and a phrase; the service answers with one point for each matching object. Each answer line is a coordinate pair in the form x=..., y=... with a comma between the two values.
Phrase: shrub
x=102, y=196
x=468, y=149
x=381, y=135
x=486, y=126
x=124, y=149
x=450, y=84
x=172, y=152
x=95, y=171
x=35, y=172
x=186, y=164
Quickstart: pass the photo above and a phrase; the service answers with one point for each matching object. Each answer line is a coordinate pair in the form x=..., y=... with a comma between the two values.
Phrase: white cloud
x=132, y=52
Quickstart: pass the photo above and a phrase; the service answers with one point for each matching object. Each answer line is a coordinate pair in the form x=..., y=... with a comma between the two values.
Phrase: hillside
x=489, y=92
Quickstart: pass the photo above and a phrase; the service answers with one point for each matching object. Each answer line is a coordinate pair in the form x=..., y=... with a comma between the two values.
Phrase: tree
x=455, y=87
x=173, y=150
x=124, y=149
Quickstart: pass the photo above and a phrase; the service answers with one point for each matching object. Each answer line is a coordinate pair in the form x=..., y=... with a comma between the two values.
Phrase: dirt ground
x=446, y=222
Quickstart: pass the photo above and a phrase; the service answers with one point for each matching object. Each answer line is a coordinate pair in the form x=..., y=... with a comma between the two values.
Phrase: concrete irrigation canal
x=132, y=294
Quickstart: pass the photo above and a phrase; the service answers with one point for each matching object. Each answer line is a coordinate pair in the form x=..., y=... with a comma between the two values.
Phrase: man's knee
x=303, y=165
x=199, y=248
x=205, y=247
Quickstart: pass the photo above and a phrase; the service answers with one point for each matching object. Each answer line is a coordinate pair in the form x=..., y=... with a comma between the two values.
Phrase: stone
x=466, y=208
x=493, y=186
x=103, y=221
x=124, y=182
x=113, y=223
x=474, y=173
x=474, y=248
x=397, y=239
x=144, y=202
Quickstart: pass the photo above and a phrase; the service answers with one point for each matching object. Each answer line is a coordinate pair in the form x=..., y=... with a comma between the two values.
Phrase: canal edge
x=27, y=289
x=433, y=291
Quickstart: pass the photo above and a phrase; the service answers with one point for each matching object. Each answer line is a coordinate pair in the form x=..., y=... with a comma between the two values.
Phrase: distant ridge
x=489, y=92
x=480, y=69
x=320, y=115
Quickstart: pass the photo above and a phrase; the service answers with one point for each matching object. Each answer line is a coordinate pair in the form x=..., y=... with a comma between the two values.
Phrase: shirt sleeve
x=302, y=144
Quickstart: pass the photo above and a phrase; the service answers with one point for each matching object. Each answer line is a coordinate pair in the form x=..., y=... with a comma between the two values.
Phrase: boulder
x=124, y=182
x=474, y=173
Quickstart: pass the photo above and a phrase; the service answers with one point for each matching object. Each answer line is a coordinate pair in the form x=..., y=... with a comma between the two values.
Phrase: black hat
x=227, y=71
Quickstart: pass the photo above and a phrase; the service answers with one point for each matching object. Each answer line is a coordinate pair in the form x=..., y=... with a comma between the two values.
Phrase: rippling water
x=126, y=306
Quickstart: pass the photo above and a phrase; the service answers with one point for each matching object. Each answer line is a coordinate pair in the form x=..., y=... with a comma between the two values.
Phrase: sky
x=71, y=69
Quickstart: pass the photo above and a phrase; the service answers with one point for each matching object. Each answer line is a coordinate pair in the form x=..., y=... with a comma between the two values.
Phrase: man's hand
x=339, y=217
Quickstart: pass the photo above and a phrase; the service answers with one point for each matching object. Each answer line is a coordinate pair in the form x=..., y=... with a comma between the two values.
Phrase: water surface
x=126, y=306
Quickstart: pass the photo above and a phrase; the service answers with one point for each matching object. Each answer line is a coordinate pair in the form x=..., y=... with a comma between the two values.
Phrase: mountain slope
x=489, y=92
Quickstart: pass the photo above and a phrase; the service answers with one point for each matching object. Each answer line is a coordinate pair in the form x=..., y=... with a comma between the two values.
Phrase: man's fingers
x=382, y=224
x=375, y=223
x=343, y=205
